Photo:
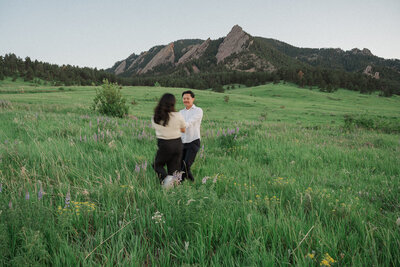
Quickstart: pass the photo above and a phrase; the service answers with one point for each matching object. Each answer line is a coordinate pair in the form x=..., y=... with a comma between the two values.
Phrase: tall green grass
x=281, y=180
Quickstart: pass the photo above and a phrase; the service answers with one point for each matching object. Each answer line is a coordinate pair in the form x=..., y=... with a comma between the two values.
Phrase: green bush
x=109, y=100
x=379, y=123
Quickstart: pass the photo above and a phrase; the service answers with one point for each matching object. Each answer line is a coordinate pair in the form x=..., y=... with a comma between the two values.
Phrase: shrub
x=379, y=123
x=109, y=100
x=218, y=88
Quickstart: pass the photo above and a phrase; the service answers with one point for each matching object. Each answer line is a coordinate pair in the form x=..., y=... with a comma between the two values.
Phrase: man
x=191, y=138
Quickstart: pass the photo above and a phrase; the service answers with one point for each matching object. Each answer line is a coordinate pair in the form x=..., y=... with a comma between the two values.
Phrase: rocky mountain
x=232, y=52
x=239, y=51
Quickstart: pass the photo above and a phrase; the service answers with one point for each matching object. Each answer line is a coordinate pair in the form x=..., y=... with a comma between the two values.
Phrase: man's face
x=188, y=100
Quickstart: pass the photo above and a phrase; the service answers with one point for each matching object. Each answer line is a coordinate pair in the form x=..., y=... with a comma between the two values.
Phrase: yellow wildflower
x=324, y=263
x=311, y=256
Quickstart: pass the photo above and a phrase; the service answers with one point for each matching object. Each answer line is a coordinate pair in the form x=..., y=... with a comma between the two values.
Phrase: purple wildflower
x=67, y=200
x=1, y=187
x=144, y=165
x=95, y=137
x=10, y=204
x=237, y=129
x=41, y=192
x=137, y=168
x=177, y=176
x=27, y=195
x=204, y=180
x=90, y=124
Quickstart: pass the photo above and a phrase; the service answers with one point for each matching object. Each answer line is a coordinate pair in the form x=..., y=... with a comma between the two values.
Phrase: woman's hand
x=183, y=130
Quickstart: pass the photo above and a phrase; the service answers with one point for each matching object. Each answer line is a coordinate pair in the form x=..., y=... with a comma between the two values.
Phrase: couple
x=178, y=136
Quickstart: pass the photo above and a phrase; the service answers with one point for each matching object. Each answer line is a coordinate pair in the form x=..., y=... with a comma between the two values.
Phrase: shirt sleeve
x=182, y=123
x=195, y=118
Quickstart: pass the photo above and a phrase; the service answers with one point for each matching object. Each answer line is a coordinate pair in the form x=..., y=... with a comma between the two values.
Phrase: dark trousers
x=169, y=153
x=189, y=154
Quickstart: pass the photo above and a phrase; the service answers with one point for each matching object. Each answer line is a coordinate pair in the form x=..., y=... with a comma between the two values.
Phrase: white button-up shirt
x=192, y=118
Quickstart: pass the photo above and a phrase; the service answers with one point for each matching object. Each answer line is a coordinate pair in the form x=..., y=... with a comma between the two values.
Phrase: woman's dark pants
x=169, y=153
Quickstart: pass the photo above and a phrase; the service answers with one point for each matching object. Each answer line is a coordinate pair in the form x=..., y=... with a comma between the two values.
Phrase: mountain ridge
x=239, y=52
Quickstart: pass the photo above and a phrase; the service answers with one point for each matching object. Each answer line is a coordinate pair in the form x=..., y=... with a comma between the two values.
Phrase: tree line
x=326, y=80
x=29, y=70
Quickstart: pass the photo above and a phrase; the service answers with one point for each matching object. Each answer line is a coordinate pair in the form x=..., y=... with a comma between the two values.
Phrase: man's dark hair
x=188, y=92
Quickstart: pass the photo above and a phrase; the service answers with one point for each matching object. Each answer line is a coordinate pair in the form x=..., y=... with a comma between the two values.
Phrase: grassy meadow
x=283, y=178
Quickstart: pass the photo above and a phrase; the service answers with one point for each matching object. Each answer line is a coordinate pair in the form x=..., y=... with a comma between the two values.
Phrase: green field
x=283, y=179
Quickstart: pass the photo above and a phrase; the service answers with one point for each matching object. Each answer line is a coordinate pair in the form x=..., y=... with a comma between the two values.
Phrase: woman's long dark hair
x=164, y=107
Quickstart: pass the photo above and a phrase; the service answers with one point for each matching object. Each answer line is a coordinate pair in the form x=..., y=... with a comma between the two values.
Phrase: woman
x=169, y=125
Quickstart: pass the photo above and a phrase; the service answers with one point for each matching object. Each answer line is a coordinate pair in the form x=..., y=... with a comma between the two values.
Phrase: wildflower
x=41, y=192
x=137, y=168
x=1, y=187
x=144, y=165
x=311, y=255
x=10, y=204
x=158, y=217
x=27, y=195
x=327, y=260
x=177, y=176
x=215, y=179
x=67, y=200
x=398, y=221
x=324, y=263
x=204, y=180
x=186, y=245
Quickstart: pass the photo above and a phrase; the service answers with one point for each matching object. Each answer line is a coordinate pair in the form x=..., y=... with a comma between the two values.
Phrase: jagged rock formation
x=234, y=42
x=121, y=68
x=137, y=61
x=166, y=55
x=365, y=52
x=194, y=52
x=368, y=71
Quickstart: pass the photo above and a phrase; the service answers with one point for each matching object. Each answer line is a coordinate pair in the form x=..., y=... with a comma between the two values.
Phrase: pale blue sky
x=99, y=33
